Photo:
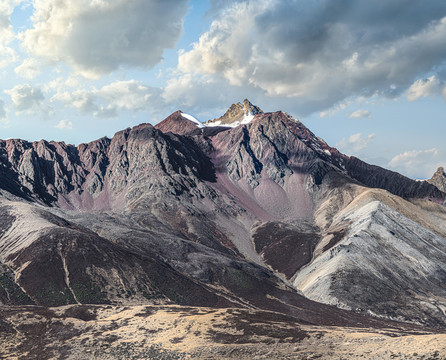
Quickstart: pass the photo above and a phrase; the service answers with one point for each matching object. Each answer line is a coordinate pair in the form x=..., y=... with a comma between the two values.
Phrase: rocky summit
x=439, y=179
x=245, y=236
x=240, y=113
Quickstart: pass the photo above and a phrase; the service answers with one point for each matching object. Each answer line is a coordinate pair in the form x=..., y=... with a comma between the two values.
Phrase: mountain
x=240, y=113
x=180, y=123
x=263, y=216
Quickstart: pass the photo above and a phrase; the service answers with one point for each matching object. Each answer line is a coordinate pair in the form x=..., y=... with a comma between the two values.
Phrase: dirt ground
x=174, y=332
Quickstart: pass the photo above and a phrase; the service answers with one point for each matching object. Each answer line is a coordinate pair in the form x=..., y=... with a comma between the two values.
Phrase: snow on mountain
x=245, y=120
x=193, y=119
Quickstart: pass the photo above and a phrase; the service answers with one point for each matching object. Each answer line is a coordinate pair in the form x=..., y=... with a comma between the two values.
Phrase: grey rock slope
x=381, y=261
x=250, y=216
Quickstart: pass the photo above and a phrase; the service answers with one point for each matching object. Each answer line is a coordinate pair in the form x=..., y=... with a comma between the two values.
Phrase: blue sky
x=368, y=77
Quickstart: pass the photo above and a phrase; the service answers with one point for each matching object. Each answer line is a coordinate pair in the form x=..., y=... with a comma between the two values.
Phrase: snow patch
x=216, y=123
x=193, y=119
x=246, y=120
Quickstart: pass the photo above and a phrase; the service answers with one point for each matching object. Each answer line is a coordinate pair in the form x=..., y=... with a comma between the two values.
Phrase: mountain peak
x=439, y=179
x=180, y=123
x=237, y=114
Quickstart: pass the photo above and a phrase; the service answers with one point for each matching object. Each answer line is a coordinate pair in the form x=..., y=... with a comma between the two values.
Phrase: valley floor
x=177, y=332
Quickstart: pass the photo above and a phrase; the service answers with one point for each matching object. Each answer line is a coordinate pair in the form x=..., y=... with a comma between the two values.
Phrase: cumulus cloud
x=64, y=125
x=424, y=88
x=110, y=99
x=8, y=54
x=358, y=114
x=26, y=98
x=2, y=110
x=419, y=164
x=28, y=69
x=3, y=117
x=354, y=143
x=98, y=37
x=321, y=52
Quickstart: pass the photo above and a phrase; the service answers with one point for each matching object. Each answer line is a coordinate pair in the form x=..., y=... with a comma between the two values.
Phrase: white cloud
x=226, y=46
x=188, y=90
x=98, y=37
x=109, y=100
x=129, y=95
x=354, y=143
x=418, y=163
x=28, y=69
x=26, y=98
x=2, y=110
x=358, y=114
x=64, y=125
x=8, y=54
x=424, y=88
x=3, y=117
x=320, y=53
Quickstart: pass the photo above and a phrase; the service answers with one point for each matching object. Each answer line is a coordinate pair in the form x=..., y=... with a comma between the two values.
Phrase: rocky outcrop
x=236, y=114
x=268, y=146
x=439, y=179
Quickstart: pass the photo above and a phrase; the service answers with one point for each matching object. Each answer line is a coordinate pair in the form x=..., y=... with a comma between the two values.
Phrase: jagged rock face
x=236, y=114
x=144, y=158
x=39, y=170
x=274, y=145
x=439, y=179
x=270, y=166
x=104, y=173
